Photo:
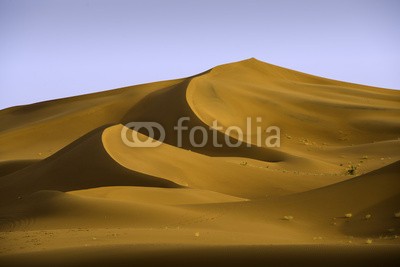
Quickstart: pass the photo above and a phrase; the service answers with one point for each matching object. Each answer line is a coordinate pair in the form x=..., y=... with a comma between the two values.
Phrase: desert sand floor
x=72, y=193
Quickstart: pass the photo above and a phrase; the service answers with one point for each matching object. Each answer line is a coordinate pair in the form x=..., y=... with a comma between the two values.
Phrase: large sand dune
x=70, y=185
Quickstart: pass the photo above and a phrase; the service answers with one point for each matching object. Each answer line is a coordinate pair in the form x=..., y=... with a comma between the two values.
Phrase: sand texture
x=73, y=193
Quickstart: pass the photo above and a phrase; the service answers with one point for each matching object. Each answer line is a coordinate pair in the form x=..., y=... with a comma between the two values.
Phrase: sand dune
x=44, y=128
x=69, y=183
x=82, y=164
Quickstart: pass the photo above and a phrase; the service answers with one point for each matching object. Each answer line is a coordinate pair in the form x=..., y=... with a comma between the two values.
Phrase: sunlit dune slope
x=65, y=168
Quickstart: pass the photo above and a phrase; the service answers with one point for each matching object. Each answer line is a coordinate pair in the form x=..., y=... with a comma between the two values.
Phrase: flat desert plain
x=72, y=192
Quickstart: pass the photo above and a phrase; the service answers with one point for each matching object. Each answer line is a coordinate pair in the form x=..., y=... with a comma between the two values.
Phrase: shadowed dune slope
x=49, y=209
x=82, y=164
x=168, y=105
x=41, y=129
x=7, y=167
x=363, y=190
x=376, y=194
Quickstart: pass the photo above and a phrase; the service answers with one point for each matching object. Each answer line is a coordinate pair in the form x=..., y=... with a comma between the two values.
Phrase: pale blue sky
x=52, y=49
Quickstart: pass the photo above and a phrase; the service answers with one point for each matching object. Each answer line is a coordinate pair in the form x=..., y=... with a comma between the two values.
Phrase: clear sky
x=52, y=49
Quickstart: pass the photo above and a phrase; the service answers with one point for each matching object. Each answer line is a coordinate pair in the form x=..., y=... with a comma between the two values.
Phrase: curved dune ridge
x=64, y=165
